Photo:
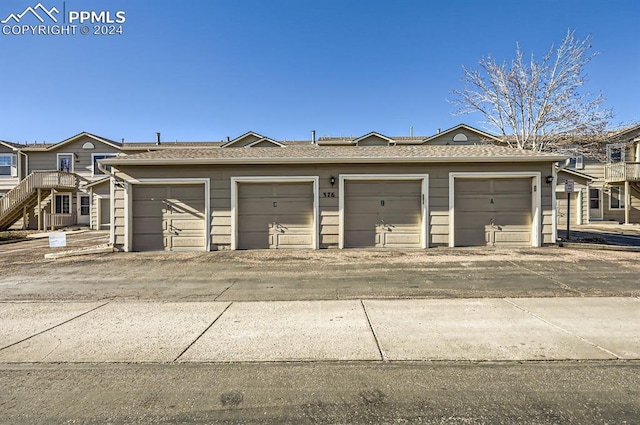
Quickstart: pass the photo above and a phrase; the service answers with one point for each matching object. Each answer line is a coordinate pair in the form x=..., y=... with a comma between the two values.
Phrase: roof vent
x=157, y=138
x=313, y=137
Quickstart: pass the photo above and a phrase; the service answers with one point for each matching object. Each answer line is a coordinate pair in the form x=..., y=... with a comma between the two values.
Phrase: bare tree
x=536, y=105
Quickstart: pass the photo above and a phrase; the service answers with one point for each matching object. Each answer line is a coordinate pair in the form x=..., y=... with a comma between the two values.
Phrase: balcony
x=622, y=172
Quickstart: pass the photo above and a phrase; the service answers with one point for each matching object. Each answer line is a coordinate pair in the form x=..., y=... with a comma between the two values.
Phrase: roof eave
x=253, y=161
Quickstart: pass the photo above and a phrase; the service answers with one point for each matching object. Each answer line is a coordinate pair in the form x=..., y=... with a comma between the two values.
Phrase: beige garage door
x=168, y=217
x=493, y=212
x=383, y=214
x=275, y=215
x=561, y=208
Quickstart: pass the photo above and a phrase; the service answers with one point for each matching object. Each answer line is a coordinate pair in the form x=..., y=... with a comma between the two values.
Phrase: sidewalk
x=494, y=329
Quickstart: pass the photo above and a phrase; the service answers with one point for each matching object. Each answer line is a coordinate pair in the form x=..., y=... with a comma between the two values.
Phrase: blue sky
x=205, y=70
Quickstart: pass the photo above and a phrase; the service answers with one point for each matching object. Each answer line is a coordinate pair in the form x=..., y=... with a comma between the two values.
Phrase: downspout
x=26, y=164
x=112, y=234
x=554, y=221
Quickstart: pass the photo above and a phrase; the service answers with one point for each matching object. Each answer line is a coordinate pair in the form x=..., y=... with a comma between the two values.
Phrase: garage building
x=312, y=197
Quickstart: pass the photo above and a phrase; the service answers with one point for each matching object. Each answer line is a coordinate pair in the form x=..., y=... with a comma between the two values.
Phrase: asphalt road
x=322, y=393
x=601, y=237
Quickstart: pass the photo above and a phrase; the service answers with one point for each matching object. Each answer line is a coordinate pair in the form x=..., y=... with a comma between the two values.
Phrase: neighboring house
x=614, y=192
x=579, y=199
x=60, y=184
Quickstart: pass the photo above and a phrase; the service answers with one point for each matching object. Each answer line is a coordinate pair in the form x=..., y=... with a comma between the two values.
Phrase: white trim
x=73, y=160
x=79, y=195
x=459, y=126
x=80, y=135
x=274, y=179
x=536, y=201
x=424, y=236
x=621, y=199
x=128, y=224
x=14, y=166
x=600, y=208
x=265, y=139
x=243, y=136
x=55, y=202
x=112, y=212
x=389, y=140
x=554, y=201
x=106, y=155
x=578, y=207
x=98, y=223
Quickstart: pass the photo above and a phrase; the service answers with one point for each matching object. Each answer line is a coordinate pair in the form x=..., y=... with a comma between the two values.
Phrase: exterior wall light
x=332, y=180
x=549, y=179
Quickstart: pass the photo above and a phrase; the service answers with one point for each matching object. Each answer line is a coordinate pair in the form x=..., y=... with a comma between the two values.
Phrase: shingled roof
x=337, y=154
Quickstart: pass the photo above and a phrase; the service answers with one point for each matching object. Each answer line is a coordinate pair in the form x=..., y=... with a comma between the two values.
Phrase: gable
x=76, y=142
x=374, y=139
x=244, y=140
x=264, y=143
x=461, y=134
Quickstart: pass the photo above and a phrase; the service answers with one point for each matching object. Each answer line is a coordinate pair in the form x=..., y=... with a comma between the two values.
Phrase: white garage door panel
x=275, y=215
x=507, y=203
x=383, y=213
x=168, y=217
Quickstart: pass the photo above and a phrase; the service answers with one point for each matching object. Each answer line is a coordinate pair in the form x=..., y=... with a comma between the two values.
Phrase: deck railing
x=36, y=180
x=622, y=171
x=52, y=221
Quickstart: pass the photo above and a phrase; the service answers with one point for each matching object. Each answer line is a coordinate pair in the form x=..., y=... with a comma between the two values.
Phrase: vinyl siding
x=82, y=164
x=447, y=139
x=220, y=191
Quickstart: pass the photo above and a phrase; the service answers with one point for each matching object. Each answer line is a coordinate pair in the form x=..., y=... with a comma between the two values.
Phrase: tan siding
x=447, y=139
x=250, y=138
x=593, y=168
x=119, y=214
x=328, y=207
x=373, y=141
x=82, y=164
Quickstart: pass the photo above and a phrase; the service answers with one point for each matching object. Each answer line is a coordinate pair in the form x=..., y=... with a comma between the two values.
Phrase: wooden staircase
x=24, y=196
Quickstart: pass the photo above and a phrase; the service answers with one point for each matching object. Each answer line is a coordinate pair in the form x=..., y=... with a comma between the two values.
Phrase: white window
x=8, y=165
x=85, y=205
x=616, y=197
x=615, y=152
x=97, y=157
x=594, y=198
x=63, y=204
x=576, y=161
x=65, y=162
x=460, y=138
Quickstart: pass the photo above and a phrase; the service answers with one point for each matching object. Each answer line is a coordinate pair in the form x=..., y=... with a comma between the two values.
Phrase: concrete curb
x=46, y=234
x=599, y=246
x=101, y=249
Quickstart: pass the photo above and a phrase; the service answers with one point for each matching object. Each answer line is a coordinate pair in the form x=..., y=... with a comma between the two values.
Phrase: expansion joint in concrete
x=203, y=332
x=53, y=327
x=373, y=331
x=611, y=353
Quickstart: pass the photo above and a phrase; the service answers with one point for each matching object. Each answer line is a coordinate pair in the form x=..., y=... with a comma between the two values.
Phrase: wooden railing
x=622, y=171
x=52, y=221
x=34, y=181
